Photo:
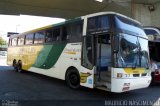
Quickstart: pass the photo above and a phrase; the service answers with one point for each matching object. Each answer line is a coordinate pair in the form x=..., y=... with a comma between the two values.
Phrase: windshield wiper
x=122, y=61
x=135, y=65
x=137, y=55
x=146, y=60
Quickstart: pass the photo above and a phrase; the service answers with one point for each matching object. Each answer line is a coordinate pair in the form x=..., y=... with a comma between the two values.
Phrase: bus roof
x=73, y=20
x=107, y=13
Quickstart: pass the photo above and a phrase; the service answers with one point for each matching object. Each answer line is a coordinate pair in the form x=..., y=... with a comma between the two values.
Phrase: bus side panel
x=27, y=54
x=87, y=77
x=69, y=57
x=48, y=56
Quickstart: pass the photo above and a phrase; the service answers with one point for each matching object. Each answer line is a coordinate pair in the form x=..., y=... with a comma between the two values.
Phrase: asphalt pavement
x=25, y=89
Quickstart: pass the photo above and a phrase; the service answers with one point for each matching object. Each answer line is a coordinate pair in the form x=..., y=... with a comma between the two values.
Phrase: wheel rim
x=73, y=79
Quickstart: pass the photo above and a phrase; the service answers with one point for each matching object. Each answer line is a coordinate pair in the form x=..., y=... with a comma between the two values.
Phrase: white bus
x=105, y=50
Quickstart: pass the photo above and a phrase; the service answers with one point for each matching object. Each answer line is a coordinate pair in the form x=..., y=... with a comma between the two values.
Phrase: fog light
x=125, y=88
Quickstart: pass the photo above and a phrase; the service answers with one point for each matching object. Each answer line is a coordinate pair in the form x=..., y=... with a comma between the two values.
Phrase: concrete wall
x=147, y=18
x=155, y=16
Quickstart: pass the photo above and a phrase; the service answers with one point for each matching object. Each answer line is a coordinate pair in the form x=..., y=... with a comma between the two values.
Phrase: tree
x=2, y=41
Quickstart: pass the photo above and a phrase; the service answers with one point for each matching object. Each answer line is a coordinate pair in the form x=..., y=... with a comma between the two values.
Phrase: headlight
x=119, y=75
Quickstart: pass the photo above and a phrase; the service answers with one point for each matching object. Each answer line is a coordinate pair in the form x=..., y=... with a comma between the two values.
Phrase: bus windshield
x=133, y=51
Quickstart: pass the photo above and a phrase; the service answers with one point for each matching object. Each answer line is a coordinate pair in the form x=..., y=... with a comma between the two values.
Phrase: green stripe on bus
x=48, y=56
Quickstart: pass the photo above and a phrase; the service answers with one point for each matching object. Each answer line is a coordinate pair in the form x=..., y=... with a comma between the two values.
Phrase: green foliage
x=2, y=41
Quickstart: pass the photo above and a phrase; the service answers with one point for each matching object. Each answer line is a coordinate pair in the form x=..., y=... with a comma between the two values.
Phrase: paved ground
x=33, y=89
x=3, y=65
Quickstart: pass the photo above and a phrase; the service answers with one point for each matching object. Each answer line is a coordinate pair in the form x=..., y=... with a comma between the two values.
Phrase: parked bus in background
x=153, y=34
x=105, y=50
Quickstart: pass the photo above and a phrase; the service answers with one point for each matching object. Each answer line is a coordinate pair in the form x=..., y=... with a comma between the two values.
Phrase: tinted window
x=129, y=26
x=98, y=23
x=10, y=42
x=77, y=29
x=74, y=31
x=56, y=34
x=20, y=40
x=150, y=32
x=128, y=21
x=64, y=33
x=14, y=41
x=39, y=37
x=87, y=52
x=49, y=35
x=29, y=39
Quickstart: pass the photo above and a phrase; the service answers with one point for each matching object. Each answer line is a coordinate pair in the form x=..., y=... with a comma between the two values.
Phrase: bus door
x=87, y=62
x=96, y=60
x=103, y=60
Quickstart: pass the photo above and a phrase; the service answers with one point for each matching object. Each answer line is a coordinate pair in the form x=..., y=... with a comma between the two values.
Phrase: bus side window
x=10, y=42
x=49, y=36
x=39, y=37
x=21, y=41
x=64, y=33
x=76, y=32
x=56, y=34
x=29, y=39
x=14, y=41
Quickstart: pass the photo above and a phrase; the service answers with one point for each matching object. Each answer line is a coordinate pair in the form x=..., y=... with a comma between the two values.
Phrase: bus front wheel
x=73, y=78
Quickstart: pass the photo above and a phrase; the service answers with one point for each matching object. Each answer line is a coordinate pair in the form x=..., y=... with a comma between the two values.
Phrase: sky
x=23, y=23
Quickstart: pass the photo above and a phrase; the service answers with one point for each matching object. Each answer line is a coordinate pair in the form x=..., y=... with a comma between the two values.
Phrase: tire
x=73, y=78
x=19, y=66
x=14, y=64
